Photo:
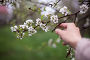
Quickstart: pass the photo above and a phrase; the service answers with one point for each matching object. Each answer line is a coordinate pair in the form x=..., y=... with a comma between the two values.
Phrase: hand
x=70, y=34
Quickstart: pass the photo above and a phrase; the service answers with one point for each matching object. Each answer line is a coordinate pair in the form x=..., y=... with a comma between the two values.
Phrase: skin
x=70, y=35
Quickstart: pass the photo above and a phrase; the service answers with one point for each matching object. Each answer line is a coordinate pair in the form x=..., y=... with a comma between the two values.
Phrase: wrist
x=74, y=43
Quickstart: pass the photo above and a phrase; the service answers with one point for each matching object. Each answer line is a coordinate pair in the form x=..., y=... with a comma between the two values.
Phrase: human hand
x=70, y=34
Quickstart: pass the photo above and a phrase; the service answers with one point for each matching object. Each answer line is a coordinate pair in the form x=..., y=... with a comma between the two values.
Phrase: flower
x=87, y=22
x=54, y=45
x=58, y=40
x=20, y=35
x=50, y=42
x=44, y=27
x=13, y=29
x=73, y=59
x=22, y=26
x=46, y=1
x=29, y=22
x=54, y=19
x=64, y=10
x=48, y=11
x=31, y=31
x=38, y=21
x=83, y=8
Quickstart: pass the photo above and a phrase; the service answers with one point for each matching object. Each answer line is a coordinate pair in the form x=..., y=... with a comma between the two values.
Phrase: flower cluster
x=23, y=26
x=28, y=22
x=31, y=31
x=42, y=25
x=20, y=30
x=47, y=11
x=53, y=44
x=54, y=19
x=13, y=29
x=83, y=9
x=65, y=11
x=38, y=22
x=20, y=35
x=28, y=26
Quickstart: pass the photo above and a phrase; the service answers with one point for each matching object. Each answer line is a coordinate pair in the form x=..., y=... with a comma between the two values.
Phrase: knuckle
x=77, y=28
x=72, y=24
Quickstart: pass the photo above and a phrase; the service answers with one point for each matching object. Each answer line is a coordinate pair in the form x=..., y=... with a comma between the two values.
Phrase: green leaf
x=44, y=8
x=42, y=17
x=34, y=8
x=39, y=10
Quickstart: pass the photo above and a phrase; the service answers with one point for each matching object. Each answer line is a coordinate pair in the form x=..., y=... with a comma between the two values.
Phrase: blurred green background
x=30, y=48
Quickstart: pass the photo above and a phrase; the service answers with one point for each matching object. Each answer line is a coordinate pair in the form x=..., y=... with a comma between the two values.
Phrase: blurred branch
x=46, y=4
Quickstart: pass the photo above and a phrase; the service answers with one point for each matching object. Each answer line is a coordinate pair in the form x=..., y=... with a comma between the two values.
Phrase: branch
x=65, y=20
x=58, y=25
x=68, y=52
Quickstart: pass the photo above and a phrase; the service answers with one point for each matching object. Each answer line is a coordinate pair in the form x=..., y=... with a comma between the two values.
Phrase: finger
x=64, y=25
x=77, y=28
x=71, y=25
x=67, y=25
x=59, y=31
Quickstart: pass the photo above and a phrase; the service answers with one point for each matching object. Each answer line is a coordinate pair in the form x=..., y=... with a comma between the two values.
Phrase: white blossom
x=38, y=21
x=64, y=10
x=29, y=22
x=31, y=31
x=46, y=1
x=58, y=40
x=20, y=38
x=54, y=19
x=52, y=4
x=22, y=26
x=29, y=34
x=23, y=34
x=73, y=59
x=87, y=22
x=48, y=11
x=14, y=28
x=44, y=27
x=54, y=45
x=50, y=42
x=83, y=8
x=67, y=50
x=20, y=35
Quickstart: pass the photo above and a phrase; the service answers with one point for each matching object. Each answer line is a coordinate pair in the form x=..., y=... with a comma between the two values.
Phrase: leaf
x=34, y=8
x=42, y=17
x=39, y=10
x=44, y=8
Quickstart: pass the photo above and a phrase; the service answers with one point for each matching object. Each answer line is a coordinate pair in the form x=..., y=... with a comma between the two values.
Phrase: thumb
x=59, y=31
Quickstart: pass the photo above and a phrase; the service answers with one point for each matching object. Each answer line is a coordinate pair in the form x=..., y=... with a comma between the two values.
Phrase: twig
x=65, y=20
x=83, y=28
x=58, y=25
x=69, y=52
